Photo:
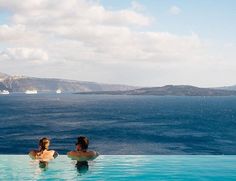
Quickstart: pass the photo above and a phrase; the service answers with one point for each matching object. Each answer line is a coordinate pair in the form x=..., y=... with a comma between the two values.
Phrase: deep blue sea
x=119, y=124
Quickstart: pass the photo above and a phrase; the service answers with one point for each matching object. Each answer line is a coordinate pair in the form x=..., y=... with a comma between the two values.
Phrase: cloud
x=83, y=40
x=69, y=12
x=25, y=54
x=136, y=6
x=19, y=34
x=80, y=30
x=175, y=10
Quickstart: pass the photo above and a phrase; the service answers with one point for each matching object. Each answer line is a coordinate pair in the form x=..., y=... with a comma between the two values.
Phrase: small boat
x=5, y=92
x=31, y=92
x=58, y=91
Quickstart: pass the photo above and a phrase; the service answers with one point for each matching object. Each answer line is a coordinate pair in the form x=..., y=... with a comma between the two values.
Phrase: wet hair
x=83, y=142
x=42, y=143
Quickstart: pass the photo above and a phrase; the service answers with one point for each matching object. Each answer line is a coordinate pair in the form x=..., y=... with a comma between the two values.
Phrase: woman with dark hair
x=43, y=153
x=82, y=153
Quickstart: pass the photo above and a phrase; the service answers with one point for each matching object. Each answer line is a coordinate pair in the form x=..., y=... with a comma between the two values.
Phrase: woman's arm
x=93, y=155
x=82, y=156
x=33, y=154
x=55, y=154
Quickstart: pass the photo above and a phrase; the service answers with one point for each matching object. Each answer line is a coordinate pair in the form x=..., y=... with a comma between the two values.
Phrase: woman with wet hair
x=43, y=153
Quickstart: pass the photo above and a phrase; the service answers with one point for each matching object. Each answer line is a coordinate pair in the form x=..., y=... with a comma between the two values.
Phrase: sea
x=119, y=124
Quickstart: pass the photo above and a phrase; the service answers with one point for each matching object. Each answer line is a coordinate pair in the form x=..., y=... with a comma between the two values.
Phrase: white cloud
x=175, y=10
x=25, y=54
x=82, y=40
x=136, y=6
x=18, y=34
x=70, y=12
x=79, y=30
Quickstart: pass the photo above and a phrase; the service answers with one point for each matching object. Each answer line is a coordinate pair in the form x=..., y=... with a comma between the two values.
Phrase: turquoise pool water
x=122, y=167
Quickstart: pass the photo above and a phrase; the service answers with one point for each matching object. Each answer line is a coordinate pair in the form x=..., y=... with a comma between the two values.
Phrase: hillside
x=22, y=83
x=172, y=90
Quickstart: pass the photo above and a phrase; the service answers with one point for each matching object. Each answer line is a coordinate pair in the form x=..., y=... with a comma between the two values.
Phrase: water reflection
x=82, y=167
x=39, y=167
x=43, y=165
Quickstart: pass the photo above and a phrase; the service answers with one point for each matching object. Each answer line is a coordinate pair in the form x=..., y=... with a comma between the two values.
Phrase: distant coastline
x=23, y=84
x=44, y=85
x=170, y=90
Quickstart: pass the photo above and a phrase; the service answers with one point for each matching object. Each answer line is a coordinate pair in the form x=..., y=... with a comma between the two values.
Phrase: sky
x=132, y=42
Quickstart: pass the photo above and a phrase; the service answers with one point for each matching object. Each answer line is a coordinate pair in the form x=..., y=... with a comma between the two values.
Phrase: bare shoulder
x=74, y=155
x=82, y=156
x=93, y=153
x=33, y=154
x=71, y=153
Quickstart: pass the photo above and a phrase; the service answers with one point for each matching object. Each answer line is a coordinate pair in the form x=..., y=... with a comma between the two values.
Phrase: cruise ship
x=4, y=92
x=31, y=92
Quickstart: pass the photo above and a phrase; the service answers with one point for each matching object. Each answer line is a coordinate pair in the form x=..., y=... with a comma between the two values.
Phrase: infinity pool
x=120, y=167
